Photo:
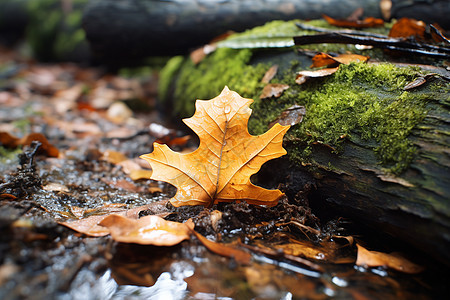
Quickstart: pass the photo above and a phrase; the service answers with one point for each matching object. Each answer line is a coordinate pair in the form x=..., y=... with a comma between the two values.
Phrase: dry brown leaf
x=273, y=90
x=113, y=157
x=365, y=23
x=129, y=166
x=148, y=230
x=324, y=59
x=136, y=175
x=394, y=261
x=290, y=116
x=220, y=169
x=240, y=256
x=10, y=141
x=302, y=76
x=200, y=53
x=89, y=226
x=55, y=187
x=406, y=27
x=270, y=74
x=418, y=81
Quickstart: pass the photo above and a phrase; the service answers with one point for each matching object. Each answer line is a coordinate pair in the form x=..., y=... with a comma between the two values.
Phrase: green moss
x=55, y=33
x=363, y=103
x=8, y=154
x=278, y=34
x=225, y=67
x=167, y=75
x=360, y=101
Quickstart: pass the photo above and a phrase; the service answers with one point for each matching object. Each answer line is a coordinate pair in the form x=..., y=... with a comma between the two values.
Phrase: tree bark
x=130, y=29
x=413, y=206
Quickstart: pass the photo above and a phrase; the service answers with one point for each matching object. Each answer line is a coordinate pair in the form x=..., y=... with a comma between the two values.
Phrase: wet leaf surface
x=148, y=230
x=393, y=260
x=291, y=116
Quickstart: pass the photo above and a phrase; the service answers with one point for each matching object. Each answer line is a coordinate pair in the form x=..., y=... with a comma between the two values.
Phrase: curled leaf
x=302, y=76
x=270, y=74
x=393, y=261
x=90, y=225
x=291, y=116
x=240, y=256
x=323, y=59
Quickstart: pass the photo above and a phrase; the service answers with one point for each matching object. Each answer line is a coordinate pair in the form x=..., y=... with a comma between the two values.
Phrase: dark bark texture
x=128, y=29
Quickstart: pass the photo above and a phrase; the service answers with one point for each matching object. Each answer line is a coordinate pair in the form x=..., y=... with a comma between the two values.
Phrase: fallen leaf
x=119, y=112
x=129, y=166
x=418, y=81
x=273, y=90
x=394, y=261
x=302, y=76
x=55, y=187
x=270, y=74
x=123, y=184
x=148, y=230
x=136, y=175
x=6, y=196
x=240, y=256
x=65, y=99
x=7, y=140
x=113, y=157
x=220, y=169
x=437, y=35
x=406, y=27
x=90, y=225
x=215, y=216
x=324, y=59
x=10, y=141
x=365, y=23
x=159, y=131
x=290, y=116
x=199, y=54
x=7, y=271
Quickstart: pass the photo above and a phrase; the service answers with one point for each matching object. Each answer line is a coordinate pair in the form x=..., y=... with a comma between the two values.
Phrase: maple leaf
x=219, y=169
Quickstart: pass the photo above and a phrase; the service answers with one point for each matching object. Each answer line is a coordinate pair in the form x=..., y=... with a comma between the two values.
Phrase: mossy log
x=376, y=152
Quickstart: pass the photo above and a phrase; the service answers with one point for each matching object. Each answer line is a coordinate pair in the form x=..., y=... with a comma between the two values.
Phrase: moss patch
x=225, y=67
x=363, y=103
x=55, y=33
x=360, y=102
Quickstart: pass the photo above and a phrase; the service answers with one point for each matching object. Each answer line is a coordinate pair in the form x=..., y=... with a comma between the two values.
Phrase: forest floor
x=92, y=126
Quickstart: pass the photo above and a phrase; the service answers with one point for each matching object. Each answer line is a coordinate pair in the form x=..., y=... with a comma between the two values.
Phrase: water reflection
x=167, y=286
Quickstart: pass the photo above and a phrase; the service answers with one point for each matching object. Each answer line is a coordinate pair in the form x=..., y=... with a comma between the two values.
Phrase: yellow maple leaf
x=220, y=169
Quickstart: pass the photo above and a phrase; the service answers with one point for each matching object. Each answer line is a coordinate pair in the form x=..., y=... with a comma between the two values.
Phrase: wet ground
x=294, y=254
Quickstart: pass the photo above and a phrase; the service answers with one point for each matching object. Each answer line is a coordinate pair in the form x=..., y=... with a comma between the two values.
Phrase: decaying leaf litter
x=270, y=251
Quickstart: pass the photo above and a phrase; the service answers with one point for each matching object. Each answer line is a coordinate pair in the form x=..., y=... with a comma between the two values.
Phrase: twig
x=346, y=31
x=439, y=33
x=398, y=44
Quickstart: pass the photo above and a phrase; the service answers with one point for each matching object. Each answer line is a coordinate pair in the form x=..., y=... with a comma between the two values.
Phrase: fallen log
x=127, y=29
x=375, y=149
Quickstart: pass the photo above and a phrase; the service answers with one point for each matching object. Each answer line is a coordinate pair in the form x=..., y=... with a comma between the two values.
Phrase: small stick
x=385, y=43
